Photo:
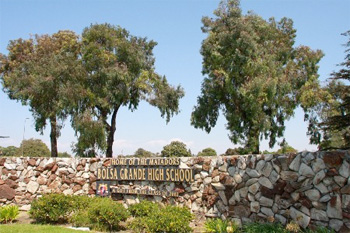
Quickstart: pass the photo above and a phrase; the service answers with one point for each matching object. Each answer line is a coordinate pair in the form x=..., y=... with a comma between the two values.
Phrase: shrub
x=51, y=208
x=164, y=219
x=80, y=218
x=207, y=152
x=104, y=214
x=144, y=208
x=217, y=225
x=8, y=213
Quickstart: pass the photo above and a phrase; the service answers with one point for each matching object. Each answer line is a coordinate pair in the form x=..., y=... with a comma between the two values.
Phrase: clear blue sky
x=175, y=25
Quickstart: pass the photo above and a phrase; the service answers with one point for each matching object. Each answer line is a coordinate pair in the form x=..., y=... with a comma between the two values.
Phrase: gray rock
x=260, y=165
x=313, y=194
x=24, y=208
x=254, y=188
x=340, y=180
x=268, y=157
x=274, y=177
x=223, y=168
x=344, y=169
x=237, y=178
x=322, y=188
x=252, y=173
x=251, y=197
x=295, y=164
x=305, y=210
x=289, y=176
x=232, y=200
x=318, y=165
x=255, y=206
x=251, y=181
x=281, y=219
x=10, y=166
x=295, y=196
x=231, y=171
x=241, y=164
x=266, y=171
x=275, y=165
x=93, y=167
x=345, y=201
x=325, y=198
x=243, y=192
x=305, y=170
x=265, y=182
x=308, y=157
x=319, y=177
x=267, y=211
x=204, y=174
x=334, y=208
x=302, y=219
x=266, y=202
x=319, y=215
x=32, y=187
x=223, y=197
x=335, y=224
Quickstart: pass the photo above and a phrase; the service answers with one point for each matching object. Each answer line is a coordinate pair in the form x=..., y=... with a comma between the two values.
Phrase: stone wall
x=309, y=188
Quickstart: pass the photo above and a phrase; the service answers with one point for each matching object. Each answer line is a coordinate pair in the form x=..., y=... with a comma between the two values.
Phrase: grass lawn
x=20, y=228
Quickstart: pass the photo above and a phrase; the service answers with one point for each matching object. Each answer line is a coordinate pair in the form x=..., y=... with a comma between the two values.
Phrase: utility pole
x=24, y=130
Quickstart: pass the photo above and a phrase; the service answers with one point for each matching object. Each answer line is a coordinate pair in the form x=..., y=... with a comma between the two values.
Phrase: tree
x=207, y=152
x=120, y=72
x=175, y=149
x=33, y=148
x=143, y=153
x=8, y=151
x=329, y=120
x=254, y=75
x=36, y=73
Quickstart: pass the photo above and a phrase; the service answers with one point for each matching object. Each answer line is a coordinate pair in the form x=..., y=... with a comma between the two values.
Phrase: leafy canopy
x=120, y=72
x=254, y=75
x=36, y=73
x=176, y=149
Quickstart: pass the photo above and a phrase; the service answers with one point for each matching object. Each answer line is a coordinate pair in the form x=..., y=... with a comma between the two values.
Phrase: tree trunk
x=111, y=131
x=53, y=137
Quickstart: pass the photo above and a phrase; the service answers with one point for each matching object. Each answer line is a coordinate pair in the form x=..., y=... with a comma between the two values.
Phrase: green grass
x=20, y=228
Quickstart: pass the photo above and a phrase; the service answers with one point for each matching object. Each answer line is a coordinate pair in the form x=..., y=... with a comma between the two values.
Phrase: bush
x=163, y=219
x=217, y=225
x=144, y=208
x=104, y=214
x=51, y=208
x=207, y=152
x=8, y=213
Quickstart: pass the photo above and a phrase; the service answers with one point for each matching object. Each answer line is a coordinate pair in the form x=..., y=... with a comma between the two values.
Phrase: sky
x=176, y=26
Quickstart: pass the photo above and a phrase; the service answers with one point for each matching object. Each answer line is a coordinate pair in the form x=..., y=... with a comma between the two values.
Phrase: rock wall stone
x=310, y=188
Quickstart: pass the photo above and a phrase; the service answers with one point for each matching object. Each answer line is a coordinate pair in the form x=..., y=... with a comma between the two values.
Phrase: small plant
x=320, y=230
x=104, y=214
x=51, y=208
x=8, y=213
x=293, y=227
x=142, y=209
x=218, y=225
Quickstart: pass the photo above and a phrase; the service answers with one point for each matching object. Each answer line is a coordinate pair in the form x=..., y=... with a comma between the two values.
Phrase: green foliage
x=329, y=119
x=8, y=151
x=176, y=149
x=33, y=148
x=207, y=152
x=142, y=153
x=104, y=214
x=218, y=225
x=37, y=71
x=238, y=151
x=8, y=213
x=144, y=208
x=264, y=228
x=163, y=219
x=51, y=208
x=120, y=73
x=254, y=75
x=64, y=155
x=320, y=230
